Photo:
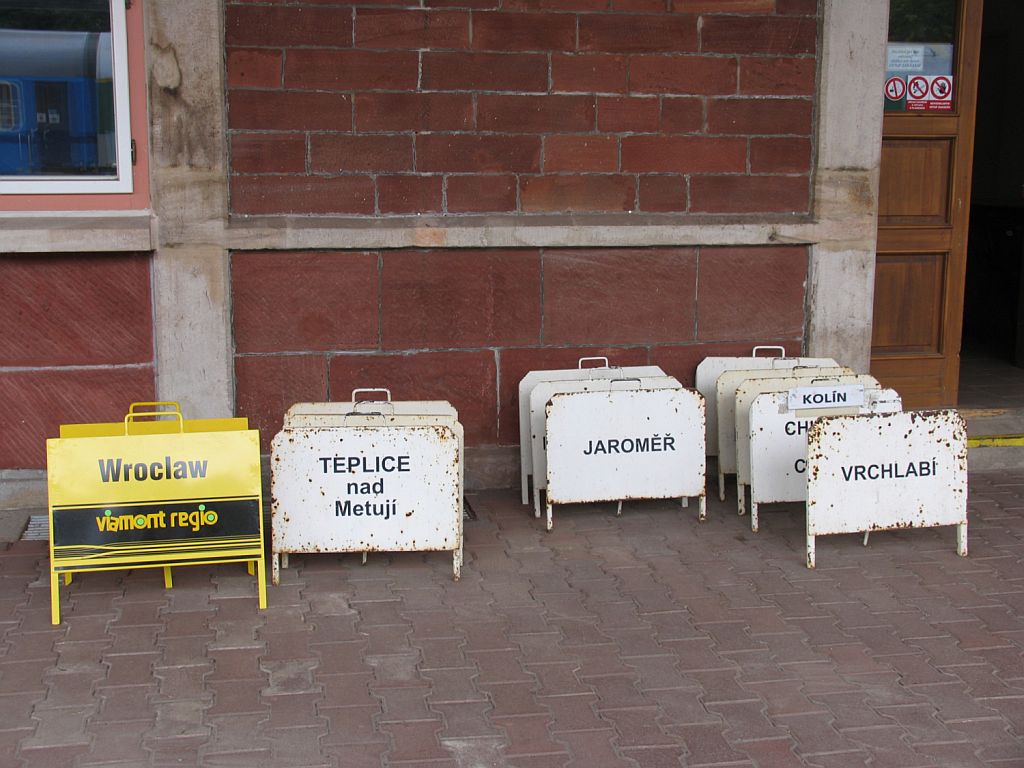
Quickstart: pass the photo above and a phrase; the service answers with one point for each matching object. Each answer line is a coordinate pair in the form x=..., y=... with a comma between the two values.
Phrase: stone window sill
x=76, y=232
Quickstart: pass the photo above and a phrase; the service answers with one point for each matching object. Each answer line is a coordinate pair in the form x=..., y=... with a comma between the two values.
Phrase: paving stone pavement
x=642, y=641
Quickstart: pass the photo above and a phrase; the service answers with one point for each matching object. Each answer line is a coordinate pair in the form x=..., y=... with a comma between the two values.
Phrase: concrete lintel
x=300, y=233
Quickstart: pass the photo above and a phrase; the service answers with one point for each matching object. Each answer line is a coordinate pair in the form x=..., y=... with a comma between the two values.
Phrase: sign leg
x=961, y=539
x=457, y=562
x=741, y=497
x=525, y=481
x=685, y=501
x=275, y=568
x=67, y=577
x=168, y=581
x=618, y=512
x=753, y=514
x=810, y=551
x=250, y=567
x=284, y=559
x=54, y=597
x=721, y=486
x=550, y=521
x=536, y=501
x=702, y=508
x=261, y=582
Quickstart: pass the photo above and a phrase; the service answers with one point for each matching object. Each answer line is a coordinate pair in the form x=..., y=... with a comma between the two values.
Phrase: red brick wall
x=76, y=346
x=466, y=326
x=521, y=106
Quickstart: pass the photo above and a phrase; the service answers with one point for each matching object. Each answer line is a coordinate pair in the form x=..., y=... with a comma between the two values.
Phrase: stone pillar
x=842, y=271
x=191, y=293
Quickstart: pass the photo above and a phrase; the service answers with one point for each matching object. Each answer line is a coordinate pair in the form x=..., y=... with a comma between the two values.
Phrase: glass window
x=919, y=57
x=65, y=65
x=10, y=111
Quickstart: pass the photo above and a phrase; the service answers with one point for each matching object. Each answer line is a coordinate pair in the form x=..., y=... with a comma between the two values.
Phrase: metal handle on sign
x=370, y=389
x=133, y=416
x=356, y=403
x=782, y=350
x=620, y=381
x=784, y=358
x=586, y=359
x=150, y=404
x=833, y=380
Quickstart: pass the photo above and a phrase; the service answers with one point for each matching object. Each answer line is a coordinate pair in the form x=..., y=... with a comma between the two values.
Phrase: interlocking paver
x=125, y=703
x=642, y=641
x=407, y=704
x=527, y=735
x=594, y=749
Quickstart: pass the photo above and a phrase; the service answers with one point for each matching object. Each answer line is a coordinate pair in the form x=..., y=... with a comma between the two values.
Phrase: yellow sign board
x=154, y=493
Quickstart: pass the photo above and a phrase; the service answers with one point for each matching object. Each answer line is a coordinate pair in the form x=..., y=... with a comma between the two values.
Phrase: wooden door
x=923, y=212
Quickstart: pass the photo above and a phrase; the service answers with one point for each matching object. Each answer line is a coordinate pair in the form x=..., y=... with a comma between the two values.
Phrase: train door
x=53, y=127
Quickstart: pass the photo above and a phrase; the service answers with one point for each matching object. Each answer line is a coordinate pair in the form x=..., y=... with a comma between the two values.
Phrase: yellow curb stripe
x=993, y=441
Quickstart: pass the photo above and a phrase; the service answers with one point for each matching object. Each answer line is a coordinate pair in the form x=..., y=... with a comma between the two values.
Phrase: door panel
x=909, y=286
x=914, y=183
x=926, y=376
x=924, y=202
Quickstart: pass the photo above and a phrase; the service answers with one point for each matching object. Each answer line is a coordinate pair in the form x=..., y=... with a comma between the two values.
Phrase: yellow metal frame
x=146, y=420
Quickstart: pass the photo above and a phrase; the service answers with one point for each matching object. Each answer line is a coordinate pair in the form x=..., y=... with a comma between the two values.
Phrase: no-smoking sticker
x=941, y=88
x=895, y=88
x=918, y=88
x=929, y=93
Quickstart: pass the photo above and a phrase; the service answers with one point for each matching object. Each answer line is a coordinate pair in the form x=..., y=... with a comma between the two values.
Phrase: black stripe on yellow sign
x=183, y=524
x=151, y=502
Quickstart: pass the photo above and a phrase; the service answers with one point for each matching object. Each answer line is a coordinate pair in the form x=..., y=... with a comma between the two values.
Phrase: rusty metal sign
x=542, y=393
x=823, y=391
x=778, y=445
x=303, y=412
x=882, y=471
x=725, y=399
x=581, y=372
x=622, y=444
x=762, y=357
x=367, y=482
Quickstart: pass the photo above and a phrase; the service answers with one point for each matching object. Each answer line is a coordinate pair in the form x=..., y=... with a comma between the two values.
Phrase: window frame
x=123, y=181
x=14, y=105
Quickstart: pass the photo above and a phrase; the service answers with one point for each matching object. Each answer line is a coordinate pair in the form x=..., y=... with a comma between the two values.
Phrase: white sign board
x=625, y=444
x=904, y=57
x=815, y=389
x=580, y=373
x=837, y=396
x=725, y=399
x=545, y=390
x=710, y=368
x=367, y=489
x=881, y=471
x=778, y=445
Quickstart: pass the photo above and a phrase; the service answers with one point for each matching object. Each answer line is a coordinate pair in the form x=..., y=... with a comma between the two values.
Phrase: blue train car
x=56, y=105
